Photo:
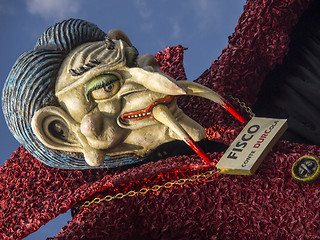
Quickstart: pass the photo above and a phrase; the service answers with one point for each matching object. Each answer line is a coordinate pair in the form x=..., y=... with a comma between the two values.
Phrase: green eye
x=103, y=87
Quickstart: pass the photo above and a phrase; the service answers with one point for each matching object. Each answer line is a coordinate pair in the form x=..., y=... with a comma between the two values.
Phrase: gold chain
x=167, y=185
x=243, y=105
x=144, y=191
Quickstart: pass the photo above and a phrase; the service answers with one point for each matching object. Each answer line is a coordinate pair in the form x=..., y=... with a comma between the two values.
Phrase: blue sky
x=203, y=26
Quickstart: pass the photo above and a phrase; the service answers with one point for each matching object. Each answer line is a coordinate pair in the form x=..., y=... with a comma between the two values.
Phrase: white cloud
x=176, y=30
x=203, y=4
x=207, y=13
x=147, y=26
x=145, y=12
x=143, y=9
x=53, y=9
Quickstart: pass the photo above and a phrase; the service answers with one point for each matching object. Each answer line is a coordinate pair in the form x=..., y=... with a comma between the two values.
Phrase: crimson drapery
x=267, y=205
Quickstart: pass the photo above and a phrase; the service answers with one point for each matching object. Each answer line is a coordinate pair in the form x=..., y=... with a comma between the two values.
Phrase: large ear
x=56, y=129
x=147, y=61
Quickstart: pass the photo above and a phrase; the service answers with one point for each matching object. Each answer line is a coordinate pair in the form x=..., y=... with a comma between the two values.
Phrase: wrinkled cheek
x=75, y=105
x=110, y=108
x=149, y=137
x=111, y=135
x=115, y=135
x=112, y=132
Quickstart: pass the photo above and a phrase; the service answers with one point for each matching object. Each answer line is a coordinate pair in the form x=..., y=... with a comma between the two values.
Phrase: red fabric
x=266, y=205
x=259, y=43
x=33, y=193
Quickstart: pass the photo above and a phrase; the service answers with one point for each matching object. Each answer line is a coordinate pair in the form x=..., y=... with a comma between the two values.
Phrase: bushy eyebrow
x=82, y=69
x=98, y=82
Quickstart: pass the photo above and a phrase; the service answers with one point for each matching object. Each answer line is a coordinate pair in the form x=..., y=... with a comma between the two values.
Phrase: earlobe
x=55, y=129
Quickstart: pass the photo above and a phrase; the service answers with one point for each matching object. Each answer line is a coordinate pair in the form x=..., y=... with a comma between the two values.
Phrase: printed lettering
x=266, y=131
x=248, y=158
x=237, y=149
x=246, y=139
x=265, y=135
x=232, y=155
x=241, y=144
x=253, y=129
x=257, y=145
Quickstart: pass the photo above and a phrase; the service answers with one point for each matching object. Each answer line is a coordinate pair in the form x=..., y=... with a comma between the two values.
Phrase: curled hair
x=30, y=86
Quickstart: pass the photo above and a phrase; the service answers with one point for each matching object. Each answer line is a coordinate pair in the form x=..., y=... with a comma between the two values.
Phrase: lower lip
x=145, y=113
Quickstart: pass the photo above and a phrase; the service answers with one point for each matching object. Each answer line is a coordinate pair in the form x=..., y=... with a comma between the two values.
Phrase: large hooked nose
x=91, y=124
x=155, y=81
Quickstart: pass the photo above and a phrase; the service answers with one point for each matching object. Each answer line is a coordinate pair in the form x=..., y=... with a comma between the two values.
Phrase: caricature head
x=82, y=91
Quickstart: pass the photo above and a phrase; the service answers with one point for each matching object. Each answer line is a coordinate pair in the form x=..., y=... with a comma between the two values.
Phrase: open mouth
x=147, y=112
x=159, y=110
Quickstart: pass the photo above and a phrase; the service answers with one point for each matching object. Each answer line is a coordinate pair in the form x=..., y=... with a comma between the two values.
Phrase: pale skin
x=109, y=105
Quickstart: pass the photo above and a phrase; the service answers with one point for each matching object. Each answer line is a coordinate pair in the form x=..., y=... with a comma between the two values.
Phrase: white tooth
x=162, y=114
x=196, y=89
x=135, y=115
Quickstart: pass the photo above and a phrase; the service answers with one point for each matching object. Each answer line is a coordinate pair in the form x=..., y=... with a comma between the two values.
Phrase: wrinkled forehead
x=77, y=68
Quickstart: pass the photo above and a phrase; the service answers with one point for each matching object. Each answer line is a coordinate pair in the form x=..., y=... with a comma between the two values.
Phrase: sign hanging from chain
x=252, y=145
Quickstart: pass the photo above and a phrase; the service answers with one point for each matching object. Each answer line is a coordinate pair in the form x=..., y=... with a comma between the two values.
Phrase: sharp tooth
x=196, y=89
x=162, y=114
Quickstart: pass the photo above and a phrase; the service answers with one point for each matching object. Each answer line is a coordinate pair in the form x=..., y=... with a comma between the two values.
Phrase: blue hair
x=30, y=87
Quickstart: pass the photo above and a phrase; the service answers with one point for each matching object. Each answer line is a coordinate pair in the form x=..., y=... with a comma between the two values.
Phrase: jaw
x=146, y=129
x=160, y=121
x=157, y=133
x=140, y=118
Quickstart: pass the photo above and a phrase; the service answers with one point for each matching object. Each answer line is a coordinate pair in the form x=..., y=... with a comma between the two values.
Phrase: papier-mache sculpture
x=84, y=99
x=165, y=199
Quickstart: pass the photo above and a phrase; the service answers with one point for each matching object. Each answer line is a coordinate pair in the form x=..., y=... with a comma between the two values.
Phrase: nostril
x=91, y=125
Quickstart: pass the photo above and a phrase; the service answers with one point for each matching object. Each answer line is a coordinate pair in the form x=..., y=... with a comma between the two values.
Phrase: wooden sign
x=252, y=145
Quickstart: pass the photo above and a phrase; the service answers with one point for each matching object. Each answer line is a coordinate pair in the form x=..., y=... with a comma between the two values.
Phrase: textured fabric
x=267, y=205
x=292, y=90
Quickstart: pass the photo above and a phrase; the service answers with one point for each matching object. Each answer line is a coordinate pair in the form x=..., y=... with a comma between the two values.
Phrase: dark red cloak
x=267, y=205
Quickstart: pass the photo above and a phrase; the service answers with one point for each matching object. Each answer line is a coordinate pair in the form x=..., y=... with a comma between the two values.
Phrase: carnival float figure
x=85, y=99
